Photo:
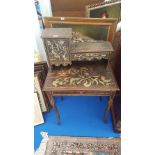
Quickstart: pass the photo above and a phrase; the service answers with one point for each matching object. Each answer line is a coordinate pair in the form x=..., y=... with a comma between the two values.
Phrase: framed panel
x=41, y=67
x=38, y=117
x=97, y=28
x=38, y=89
x=106, y=9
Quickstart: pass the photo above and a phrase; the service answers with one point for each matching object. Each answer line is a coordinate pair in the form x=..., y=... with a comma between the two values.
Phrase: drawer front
x=58, y=51
x=90, y=56
x=81, y=93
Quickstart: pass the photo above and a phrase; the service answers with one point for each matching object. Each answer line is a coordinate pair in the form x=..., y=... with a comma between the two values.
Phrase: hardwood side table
x=81, y=79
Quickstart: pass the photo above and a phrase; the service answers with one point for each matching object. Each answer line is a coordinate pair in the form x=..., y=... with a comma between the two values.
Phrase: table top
x=88, y=76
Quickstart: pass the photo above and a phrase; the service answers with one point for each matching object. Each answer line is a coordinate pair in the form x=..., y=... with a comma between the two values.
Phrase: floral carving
x=81, y=76
x=78, y=37
x=89, y=56
x=58, y=50
x=79, y=147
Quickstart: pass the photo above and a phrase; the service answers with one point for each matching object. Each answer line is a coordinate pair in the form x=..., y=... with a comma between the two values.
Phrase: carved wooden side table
x=81, y=79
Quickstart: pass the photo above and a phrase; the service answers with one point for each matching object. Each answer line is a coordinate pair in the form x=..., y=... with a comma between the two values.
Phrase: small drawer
x=90, y=56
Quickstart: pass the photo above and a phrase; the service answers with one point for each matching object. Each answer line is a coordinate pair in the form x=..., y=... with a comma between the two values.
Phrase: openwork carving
x=58, y=50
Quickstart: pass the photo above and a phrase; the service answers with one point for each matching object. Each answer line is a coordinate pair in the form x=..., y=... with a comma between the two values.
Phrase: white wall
x=46, y=10
x=45, y=6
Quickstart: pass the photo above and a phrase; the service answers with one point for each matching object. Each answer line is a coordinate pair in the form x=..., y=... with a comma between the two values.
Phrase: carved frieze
x=89, y=56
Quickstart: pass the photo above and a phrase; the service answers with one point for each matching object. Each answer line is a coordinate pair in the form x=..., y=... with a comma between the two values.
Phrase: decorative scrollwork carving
x=81, y=76
x=58, y=50
x=89, y=56
x=83, y=146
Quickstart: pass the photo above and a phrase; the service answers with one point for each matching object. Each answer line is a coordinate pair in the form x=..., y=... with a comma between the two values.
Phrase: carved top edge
x=103, y=3
x=57, y=33
x=87, y=47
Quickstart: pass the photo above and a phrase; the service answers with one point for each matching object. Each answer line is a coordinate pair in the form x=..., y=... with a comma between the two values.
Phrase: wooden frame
x=113, y=7
x=38, y=89
x=41, y=67
x=38, y=117
x=109, y=24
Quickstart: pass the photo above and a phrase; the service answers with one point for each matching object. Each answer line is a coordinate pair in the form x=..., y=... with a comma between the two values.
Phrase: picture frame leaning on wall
x=38, y=117
x=40, y=72
x=106, y=9
x=38, y=84
x=96, y=28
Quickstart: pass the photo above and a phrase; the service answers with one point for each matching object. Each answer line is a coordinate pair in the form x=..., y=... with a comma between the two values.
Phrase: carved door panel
x=58, y=51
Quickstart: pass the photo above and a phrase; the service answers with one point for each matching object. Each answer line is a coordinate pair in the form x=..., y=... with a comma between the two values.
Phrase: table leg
x=110, y=102
x=100, y=97
x=106, y=67
x=52, y=103
x=62, y=98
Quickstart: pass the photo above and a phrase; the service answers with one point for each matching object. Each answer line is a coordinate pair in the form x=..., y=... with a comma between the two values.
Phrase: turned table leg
x=52, y=103
x=110, y=102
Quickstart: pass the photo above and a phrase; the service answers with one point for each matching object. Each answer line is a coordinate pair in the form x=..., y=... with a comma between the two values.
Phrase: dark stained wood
x=116, y=113
x=109, y=105
x=41, y=66
x=83, y=77
x=116, y=60
x=62, y=98
x=63, y=81
x=64, y=46
x=91, y=50
x=116, y=66
x=86, y=76
x=100, y=97
x=50, y=97
x=57, y=43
